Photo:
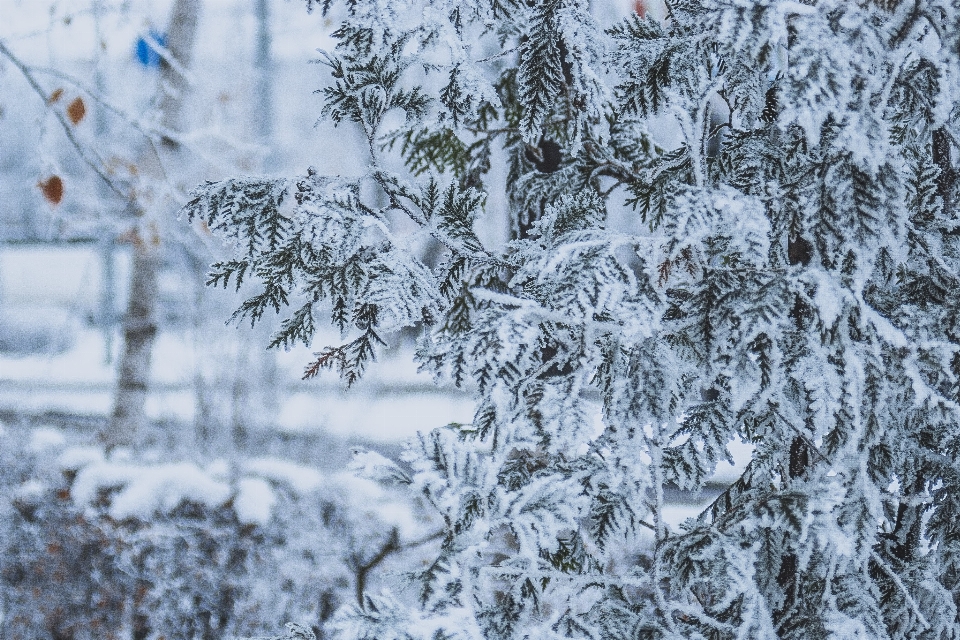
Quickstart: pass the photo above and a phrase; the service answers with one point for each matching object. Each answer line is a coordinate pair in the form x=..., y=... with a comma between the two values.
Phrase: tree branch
x=95, y=162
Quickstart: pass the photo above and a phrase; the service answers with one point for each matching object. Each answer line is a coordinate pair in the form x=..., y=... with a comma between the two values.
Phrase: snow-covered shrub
x=114, y=547
x=59, y=573
x=787, y=276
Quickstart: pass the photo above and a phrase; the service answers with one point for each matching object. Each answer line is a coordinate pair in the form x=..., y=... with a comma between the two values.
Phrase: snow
x=70, y=277
x=676, y=515
x=29, y=491
x=46, y=438
x=254, y=501
x=218, y=468
x=373, y=466
x=85, y=366
x=726, y=473
x=384, y=418
x=828, y=298
x=369, y=502
x=37, y=329
x=302, y=479
x=142, y=491
x=75, y=458
x=391, y=404
x=146, y=490
x=296, y=33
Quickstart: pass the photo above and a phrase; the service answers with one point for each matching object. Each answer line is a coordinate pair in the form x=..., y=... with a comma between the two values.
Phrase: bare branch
x=90, y=158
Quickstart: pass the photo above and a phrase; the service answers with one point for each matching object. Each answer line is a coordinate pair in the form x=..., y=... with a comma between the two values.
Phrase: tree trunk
x=173, y=84
x=139, y=333
x=264, y=97
x=140, y=322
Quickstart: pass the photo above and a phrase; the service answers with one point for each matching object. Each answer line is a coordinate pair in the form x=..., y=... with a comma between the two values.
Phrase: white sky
x=52, y=30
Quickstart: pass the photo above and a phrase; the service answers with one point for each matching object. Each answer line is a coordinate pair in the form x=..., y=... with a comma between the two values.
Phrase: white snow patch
x=301, y=479
x=29, y=491
x=145, y=490
x=45, y=438
x=254, y=501
x=369, y=502
x=121, y=454
x=218, y=469
x=76, y=458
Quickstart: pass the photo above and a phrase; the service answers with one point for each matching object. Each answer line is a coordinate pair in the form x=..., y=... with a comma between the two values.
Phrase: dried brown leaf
x=76, y=110
x=52, y=189
x=55, y=96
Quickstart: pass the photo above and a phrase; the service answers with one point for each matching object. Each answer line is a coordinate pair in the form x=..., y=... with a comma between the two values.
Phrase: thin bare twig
x=903, y=588
x=151, y=135
x=95, y=162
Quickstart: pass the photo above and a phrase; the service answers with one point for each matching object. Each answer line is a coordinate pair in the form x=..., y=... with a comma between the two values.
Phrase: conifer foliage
x=790, y=279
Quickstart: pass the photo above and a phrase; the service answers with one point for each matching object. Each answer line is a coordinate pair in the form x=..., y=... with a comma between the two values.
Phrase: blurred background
x=65, y=266
x=221, y=505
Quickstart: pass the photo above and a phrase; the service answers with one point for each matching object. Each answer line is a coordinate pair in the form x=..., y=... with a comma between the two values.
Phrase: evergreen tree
x=789, y=279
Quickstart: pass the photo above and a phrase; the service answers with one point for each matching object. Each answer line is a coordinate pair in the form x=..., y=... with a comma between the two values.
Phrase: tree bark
x=140, y=322
x=139, y=334
x=264, y=97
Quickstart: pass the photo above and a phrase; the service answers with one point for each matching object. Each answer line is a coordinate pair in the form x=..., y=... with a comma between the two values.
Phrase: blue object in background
x=146, y=55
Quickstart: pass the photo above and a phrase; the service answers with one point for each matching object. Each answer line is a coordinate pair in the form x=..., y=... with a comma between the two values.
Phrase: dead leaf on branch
x=76, y=111
x=55, y=96
x=52, y=189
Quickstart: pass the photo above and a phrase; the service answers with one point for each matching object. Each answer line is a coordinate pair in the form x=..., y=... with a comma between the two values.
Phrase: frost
x=780, y=284
x=373, y=466
x=829, y=299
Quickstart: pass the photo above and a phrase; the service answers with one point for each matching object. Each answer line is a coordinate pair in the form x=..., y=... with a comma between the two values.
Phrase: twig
x=505, y=52
x=169, y=58
x=903, y=588
x=150, y=134
x=391, y=546
x=95, y=163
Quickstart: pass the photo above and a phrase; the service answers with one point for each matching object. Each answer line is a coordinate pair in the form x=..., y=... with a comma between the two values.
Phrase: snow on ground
x=76, y=458
x=64, y=276
x=392, y=404
x=385, y=418
x=143, y=490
